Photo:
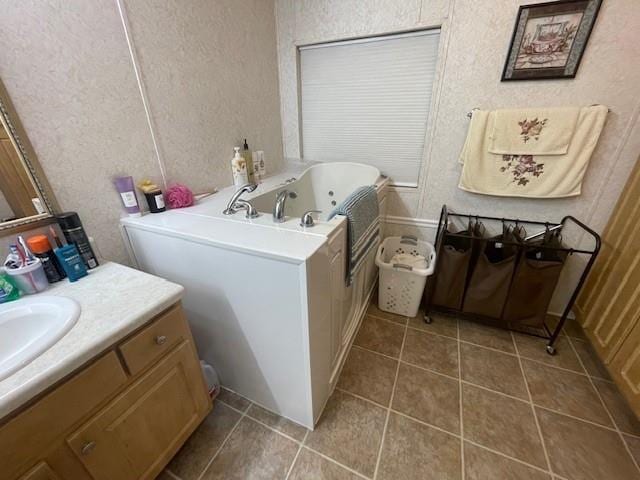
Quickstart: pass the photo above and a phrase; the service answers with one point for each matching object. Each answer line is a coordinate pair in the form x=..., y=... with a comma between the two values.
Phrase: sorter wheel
x=427, y=319
x=551, y=350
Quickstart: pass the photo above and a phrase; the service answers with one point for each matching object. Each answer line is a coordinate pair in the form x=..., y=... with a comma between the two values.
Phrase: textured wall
x=474, y=41
x=210, y=72
x=475, y=37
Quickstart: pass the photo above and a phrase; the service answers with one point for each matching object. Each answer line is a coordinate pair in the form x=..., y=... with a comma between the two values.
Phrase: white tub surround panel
x=114, y=301
x=267, y=302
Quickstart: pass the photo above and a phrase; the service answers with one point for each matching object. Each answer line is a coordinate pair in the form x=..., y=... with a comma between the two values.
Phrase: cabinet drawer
x=155, y=340
x=25, y=438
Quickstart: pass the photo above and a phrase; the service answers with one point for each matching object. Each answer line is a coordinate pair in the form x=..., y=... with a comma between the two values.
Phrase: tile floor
x=450, y=400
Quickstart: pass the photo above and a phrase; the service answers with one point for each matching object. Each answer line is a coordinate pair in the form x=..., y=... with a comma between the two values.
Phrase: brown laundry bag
x=449, y=286
x=453, y=266
x=489, y=284
x=531, y=290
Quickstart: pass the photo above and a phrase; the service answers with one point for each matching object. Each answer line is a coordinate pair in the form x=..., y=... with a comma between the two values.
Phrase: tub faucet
x=278, y=208
x=236, y=203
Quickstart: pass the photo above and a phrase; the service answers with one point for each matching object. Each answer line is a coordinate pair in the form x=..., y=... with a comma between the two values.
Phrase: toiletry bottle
x=239, y=168
x=74, y=233
x=248, y=158
x=127, y=192
x=71, y=262
x=8, y=289
x=41, y=248
x=261, y=166
x=256, y=167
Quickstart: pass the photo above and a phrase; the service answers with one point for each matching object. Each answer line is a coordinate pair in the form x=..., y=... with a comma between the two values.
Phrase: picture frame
x=549, y=39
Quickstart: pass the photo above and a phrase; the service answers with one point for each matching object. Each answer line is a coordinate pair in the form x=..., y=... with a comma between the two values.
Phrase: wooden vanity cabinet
x=121, y=417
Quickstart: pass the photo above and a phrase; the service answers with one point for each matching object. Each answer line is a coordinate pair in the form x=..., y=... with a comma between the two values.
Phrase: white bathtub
x=267, y=302
x=320, y=187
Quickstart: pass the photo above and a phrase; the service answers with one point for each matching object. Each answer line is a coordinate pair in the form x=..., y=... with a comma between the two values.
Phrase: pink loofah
x=179, y=196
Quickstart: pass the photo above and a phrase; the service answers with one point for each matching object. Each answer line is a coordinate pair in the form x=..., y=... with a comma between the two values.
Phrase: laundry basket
x=401, y=286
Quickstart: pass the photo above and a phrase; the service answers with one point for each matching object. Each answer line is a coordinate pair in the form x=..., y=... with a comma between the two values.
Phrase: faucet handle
x=307, y=218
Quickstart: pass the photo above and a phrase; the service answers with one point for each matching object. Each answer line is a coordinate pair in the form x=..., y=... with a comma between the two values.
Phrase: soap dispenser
x=248, y=158
x=239, y=168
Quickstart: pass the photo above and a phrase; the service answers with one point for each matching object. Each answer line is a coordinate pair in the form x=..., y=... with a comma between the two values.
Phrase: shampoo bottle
x=248, y=158
x=239, y=168
x=71, y=262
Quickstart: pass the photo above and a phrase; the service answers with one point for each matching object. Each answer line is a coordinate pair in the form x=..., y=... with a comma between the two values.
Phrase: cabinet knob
x=161, y=340
x=87, y=448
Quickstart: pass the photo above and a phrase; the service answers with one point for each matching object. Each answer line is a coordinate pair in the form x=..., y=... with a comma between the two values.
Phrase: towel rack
x=470, y=113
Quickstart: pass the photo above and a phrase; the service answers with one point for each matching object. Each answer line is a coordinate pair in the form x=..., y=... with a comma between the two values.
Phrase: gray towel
x=363, y=217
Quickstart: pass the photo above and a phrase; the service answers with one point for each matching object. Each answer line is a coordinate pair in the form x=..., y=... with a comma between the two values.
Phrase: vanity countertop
x=115, y=300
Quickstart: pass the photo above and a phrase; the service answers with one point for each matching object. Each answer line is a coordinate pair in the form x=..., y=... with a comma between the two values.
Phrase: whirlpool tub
x=267, y=302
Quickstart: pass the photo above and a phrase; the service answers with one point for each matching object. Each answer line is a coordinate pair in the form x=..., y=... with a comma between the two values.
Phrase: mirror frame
x=30, y=161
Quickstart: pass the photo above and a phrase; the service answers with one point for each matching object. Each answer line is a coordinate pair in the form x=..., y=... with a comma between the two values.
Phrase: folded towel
x=414, y=261
x=537, y=176
x=533, y=131
x=361, y=210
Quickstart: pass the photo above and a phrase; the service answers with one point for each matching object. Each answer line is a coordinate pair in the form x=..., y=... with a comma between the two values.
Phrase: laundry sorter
x=506, y=279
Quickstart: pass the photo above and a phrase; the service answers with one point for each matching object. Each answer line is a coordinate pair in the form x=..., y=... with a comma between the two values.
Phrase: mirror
x=26, y=200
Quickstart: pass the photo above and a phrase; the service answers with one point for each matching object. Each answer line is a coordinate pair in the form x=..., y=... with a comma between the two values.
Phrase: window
x=368, y=101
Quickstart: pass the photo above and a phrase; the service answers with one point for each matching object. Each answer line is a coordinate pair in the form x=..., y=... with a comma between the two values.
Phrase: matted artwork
x=549, y=39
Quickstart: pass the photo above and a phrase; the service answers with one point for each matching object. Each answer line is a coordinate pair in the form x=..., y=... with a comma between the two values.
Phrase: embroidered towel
x=533, y=131
x=361, y=210
x=536, y=176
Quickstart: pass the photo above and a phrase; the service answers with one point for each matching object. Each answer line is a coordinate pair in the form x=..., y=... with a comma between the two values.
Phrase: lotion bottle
x=239, y=168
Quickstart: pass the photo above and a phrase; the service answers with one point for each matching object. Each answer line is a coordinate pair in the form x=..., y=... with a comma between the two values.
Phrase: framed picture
x=549, y=39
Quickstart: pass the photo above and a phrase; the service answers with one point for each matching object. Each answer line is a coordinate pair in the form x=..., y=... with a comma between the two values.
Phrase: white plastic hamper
x=401, y=286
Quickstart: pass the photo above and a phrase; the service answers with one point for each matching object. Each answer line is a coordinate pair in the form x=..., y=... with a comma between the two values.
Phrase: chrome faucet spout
x=235, y=203
x=278, y=208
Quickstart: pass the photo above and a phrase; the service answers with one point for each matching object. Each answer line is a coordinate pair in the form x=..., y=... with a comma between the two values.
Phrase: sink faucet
x=236, y=203
x=278, y=208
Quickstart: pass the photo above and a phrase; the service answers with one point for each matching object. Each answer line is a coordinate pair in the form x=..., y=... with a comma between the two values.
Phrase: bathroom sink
x=30, y=326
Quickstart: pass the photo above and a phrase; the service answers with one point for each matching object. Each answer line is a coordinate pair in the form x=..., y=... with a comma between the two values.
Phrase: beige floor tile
x=233, y=399
x=486, y=336
x=369, y=375
x=441, y=324
x=380, y=336
x=415, y=451
x=253, y=451
x=634, y=446
x=277, y=422
x=534, y=348
x=492, y=369
x=481, y=464
x=434, y=352
x=592, y=363
x=311, y=466
x=376, y=312
x=565, y=392
x=200, y=448
x=583, y=451
x=349, y=431
x=503, y=424
x=622, y=414
x=429, y=397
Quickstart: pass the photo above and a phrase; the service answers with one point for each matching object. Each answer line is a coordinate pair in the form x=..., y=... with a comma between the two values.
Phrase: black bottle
x=73, y=230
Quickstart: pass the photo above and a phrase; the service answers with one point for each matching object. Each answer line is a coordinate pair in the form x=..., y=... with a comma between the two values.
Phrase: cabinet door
x=136, y=434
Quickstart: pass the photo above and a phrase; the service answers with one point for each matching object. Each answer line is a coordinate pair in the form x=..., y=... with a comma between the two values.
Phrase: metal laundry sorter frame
x=521, y=248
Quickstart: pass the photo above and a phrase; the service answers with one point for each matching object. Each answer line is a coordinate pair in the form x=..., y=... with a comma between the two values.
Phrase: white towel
x=536, y=176
x=533, y=131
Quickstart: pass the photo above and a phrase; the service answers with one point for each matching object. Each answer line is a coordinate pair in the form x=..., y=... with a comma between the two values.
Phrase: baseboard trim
x=416, y=222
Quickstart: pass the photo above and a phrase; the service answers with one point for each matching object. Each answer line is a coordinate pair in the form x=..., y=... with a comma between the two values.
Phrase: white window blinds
x=368, y=101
